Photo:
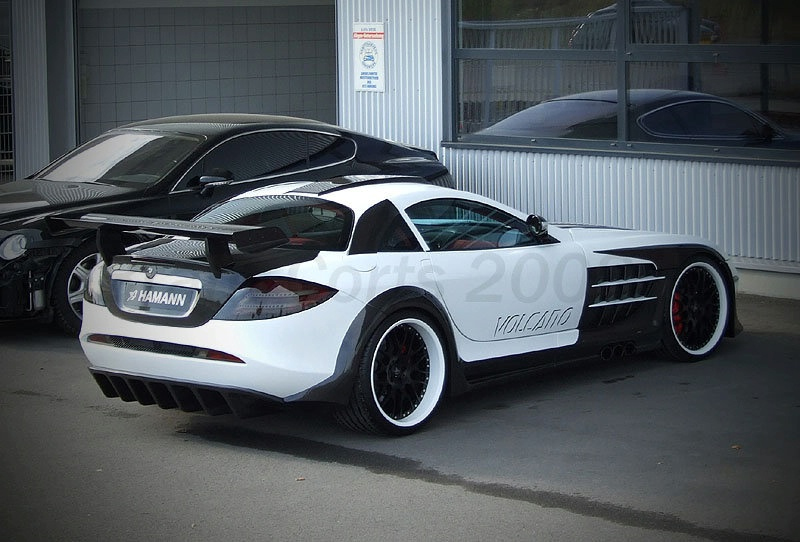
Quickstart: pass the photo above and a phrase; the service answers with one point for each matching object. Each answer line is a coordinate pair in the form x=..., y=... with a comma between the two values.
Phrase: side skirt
x=592, y=346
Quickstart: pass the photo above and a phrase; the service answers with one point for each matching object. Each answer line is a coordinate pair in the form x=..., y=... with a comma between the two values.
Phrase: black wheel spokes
x=695, y=308
x=401, y=372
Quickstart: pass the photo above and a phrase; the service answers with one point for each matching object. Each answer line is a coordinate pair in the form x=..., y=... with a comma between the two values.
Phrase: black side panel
x=624, y=306
x=479, y=372
x=670, y=261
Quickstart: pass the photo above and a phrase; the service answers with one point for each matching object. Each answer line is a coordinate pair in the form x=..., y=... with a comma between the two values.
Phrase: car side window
x=453, y=224
x=704, y=119
x=398, y=237
x=279, y=152
x=382, y=228
x=327, y=150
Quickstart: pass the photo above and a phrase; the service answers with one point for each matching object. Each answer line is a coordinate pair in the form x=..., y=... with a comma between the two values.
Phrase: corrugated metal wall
x=6, y=96
x=410, y=109
x=751, y=211
x=31, y=143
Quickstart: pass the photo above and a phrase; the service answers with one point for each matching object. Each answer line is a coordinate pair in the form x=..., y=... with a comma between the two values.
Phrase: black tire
x=69, y=285
x=401, y=377
x=696, y=311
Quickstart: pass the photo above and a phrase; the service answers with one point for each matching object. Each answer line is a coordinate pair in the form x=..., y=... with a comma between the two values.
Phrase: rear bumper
x=279, y=359
x=185, y=396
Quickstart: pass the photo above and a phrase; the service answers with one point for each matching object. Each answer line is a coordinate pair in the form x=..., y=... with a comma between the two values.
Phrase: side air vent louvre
x=616, y=292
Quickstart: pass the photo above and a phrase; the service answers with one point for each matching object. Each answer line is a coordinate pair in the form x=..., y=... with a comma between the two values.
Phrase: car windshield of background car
x=122, y=159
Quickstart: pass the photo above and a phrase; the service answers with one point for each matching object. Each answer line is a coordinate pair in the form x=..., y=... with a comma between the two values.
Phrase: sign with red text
x=369, y=58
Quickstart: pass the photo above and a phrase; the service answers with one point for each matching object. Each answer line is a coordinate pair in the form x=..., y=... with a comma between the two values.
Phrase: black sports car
x=654, y=115
x=172, y=168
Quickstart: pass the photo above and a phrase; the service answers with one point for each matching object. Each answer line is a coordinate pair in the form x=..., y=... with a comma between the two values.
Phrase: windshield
x=306, y=222
x=122, y=159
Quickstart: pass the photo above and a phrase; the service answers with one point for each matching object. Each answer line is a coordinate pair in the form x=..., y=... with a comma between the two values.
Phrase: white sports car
x=381, y=295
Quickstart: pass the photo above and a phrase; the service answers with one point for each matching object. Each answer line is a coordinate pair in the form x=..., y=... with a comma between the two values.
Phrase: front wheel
x=69, y=285
x=401, y=377
x=697, y=311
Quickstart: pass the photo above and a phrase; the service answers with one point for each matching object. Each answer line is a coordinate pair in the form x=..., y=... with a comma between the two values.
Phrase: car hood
x=36, y=196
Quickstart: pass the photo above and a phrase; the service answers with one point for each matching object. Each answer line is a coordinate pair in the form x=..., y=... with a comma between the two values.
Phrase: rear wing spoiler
x=217, y=237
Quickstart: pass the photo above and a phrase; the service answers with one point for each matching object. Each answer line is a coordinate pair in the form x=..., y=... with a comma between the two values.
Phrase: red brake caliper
x=677, y=324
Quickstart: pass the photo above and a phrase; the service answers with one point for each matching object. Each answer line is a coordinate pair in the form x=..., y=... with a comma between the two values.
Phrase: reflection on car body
x=381, y=296
x=170, y=167
x=654, y=115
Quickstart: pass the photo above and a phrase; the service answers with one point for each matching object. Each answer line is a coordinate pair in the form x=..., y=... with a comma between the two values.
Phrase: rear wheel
x=69, y=285
x=697, y=311
x=401, y=377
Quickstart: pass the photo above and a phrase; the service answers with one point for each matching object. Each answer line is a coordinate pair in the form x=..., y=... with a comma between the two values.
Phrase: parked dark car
x=171, y=168
x=665, y=116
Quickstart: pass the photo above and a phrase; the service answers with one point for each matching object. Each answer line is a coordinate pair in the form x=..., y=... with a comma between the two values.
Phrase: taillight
x=93, y=292
x=264, y=298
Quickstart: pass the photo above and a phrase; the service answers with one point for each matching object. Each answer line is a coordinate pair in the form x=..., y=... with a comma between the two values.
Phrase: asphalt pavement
x=636, y=449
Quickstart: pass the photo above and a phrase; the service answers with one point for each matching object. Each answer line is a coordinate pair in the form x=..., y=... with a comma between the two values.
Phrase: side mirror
x=219, y=177
x=537, y=225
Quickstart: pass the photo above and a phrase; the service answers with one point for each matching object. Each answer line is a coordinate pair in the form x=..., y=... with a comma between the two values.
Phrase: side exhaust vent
x=617, y=350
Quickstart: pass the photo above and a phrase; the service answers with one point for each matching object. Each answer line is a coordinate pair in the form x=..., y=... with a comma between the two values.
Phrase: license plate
x=157, y=299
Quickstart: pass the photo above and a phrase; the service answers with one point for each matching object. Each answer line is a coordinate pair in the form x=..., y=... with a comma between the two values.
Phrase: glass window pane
x=739, y=22
x=518, y=98
x=545, y=24
x=449, y=224
x=659, y=21
x=575, y=118
x=491, y=90
x=701, y=119
x=768, y=90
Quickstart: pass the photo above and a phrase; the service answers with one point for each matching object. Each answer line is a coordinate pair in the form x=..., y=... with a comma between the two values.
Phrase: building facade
x=435, y=74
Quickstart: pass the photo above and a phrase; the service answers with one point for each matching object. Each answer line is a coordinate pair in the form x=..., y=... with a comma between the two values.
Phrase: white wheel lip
x=435, y=380
x=724, y=308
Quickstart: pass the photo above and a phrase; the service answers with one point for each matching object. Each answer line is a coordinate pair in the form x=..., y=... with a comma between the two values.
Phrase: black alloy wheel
x=697, y=311
x=401, y=377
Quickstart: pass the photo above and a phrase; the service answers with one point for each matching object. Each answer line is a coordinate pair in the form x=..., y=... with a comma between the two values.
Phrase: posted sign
x=369, y=59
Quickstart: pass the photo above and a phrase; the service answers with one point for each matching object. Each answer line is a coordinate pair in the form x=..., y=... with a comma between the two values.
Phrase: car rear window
x=307, y=222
